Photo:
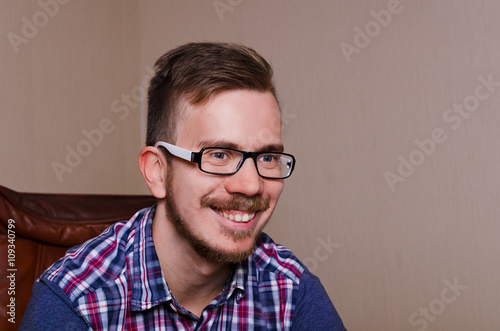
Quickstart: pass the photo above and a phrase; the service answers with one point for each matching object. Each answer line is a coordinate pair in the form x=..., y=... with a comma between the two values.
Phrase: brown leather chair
x=40, y=228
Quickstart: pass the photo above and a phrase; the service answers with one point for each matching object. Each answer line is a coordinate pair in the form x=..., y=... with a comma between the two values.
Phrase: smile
x=236, y=215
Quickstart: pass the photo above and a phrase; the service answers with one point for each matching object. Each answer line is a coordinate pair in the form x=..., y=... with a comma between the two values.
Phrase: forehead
x=245, y=119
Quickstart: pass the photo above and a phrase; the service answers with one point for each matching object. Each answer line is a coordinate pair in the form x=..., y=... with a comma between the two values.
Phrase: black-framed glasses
x=227, y=161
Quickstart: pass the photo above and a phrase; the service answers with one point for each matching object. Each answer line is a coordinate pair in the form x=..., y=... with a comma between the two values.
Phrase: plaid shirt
x=115, y=282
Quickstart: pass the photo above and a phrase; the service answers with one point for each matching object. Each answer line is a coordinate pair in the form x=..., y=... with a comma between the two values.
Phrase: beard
x=203, y=247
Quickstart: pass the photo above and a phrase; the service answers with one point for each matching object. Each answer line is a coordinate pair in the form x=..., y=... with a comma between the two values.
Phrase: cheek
x=274, y=190
x=191, y=186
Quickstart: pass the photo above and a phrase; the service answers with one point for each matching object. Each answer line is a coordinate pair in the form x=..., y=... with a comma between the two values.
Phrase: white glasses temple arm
x=177, y=151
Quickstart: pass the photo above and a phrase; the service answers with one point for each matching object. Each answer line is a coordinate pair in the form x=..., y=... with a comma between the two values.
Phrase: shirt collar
x=234, y=286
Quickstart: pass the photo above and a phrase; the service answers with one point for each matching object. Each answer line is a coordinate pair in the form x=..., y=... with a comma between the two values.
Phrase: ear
x=153, y=168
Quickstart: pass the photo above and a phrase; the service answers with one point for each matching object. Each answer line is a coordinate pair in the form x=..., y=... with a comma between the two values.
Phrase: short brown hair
x=194, y=73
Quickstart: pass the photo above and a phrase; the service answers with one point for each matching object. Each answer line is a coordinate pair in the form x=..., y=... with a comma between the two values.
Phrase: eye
x=219, y=155
x=269, y=160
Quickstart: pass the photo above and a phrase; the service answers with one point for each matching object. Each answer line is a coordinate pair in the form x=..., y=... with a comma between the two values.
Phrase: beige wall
x=390, y=253
x=60, y=78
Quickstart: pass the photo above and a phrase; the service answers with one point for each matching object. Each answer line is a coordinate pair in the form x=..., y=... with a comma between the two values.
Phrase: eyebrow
x=227, y=144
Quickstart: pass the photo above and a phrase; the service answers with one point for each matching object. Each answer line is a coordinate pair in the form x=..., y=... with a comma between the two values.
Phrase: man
x=198, y=259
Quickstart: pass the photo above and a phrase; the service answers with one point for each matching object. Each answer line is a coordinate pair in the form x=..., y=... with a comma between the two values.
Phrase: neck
x=193, y=280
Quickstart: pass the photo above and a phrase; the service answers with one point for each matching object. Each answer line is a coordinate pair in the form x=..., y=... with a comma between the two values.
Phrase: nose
x=246, y=181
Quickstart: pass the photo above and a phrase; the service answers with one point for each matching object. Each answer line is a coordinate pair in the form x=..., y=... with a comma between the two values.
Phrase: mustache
x=237, y=202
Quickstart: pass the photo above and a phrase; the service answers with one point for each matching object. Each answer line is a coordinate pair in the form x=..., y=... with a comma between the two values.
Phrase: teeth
x=238, y=217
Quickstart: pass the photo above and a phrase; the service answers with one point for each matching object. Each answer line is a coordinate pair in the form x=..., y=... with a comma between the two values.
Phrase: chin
x=227, y=257
x=233, y=251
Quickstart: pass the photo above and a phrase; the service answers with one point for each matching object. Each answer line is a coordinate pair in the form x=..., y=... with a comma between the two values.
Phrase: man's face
x=205, y=207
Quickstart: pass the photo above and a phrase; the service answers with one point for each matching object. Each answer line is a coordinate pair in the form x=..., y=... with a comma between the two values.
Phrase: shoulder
x=96, y=262
x=277, y=259
x=311, y=305
x=49, y=309
x=314, y=309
